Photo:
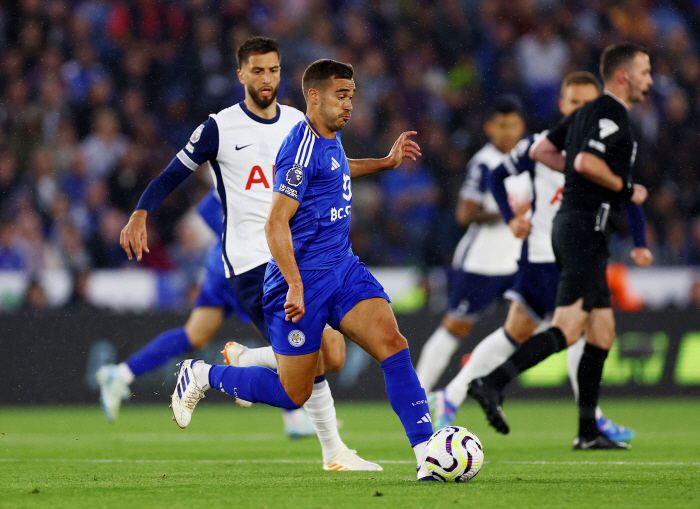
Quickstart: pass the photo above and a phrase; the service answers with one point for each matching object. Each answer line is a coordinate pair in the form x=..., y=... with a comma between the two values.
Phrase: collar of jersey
x=311, y=126
x=607, y=92
x=260, y=119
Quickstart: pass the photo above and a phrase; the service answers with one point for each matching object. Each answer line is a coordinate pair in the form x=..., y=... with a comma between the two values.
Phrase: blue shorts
x=215, y=290
x=328, y=296
x=471, y=294
x=535, y=289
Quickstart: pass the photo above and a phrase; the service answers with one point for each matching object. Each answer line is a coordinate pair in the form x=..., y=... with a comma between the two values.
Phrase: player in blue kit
x=314, y=278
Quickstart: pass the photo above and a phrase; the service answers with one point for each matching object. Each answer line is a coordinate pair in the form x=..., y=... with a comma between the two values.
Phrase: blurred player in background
x=216, y=302
x=486, y=259
x=600, y=154
x=314, y=278
x=533, y=295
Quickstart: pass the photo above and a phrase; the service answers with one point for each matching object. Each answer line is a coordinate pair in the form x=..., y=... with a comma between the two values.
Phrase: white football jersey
x=489, y=249
x=240, y=149
x=548, y=186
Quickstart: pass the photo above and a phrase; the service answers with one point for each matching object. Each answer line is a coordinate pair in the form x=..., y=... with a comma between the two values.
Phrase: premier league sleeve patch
x=296, y=338
x=295, y=176
x=197, y=134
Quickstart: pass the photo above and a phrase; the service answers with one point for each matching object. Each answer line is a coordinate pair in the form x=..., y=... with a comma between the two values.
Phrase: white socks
x=573, y=359
x=263, y=356
x=419, y=451
x=321, y=411
x=200, y=370
x=490, y=353
x=125, y=374
x=435, y=357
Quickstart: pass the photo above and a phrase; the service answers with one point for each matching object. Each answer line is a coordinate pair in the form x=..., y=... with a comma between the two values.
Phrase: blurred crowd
x=98, y=96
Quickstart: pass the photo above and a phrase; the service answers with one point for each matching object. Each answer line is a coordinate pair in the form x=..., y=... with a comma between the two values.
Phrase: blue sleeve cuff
x=164, y=184
x=637, y=224
x=496, y=184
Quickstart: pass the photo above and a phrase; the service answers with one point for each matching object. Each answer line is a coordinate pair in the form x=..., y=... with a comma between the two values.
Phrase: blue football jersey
x=314, y=171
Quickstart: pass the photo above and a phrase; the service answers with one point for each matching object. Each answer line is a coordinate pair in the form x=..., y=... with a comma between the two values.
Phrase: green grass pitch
x=235, y=458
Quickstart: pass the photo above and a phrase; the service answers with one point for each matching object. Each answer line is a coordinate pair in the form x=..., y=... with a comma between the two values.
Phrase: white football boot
x=187, y=393
x=232, y=353
x=422, y=470
x=347, y=459
x=112, y=390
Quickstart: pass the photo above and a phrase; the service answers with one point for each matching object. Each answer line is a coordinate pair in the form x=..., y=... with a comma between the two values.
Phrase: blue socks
x=254, y=384
x=407, y=397
x=159, y=351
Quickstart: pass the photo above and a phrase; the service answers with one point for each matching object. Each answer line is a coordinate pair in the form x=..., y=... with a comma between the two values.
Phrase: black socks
x=531, y=352
x=590, y=372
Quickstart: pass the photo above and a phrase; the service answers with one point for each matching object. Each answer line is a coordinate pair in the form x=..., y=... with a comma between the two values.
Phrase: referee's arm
x=595, y=169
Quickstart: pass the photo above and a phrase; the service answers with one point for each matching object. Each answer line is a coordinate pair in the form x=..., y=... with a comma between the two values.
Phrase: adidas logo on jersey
x=425, y=418
x=334, y=164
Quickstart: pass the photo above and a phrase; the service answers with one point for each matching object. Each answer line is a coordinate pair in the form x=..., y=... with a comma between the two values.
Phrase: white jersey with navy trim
x=240, y=149
x=548, y=185
x=489, y=249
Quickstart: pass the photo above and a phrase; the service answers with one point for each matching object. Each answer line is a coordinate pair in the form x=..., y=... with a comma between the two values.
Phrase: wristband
x=627, y=191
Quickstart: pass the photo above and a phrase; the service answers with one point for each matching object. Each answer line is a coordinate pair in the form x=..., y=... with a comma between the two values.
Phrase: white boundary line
x=313, y=462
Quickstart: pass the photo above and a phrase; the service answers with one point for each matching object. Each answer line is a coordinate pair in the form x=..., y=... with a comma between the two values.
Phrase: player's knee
x=333, y=362
x=299, y=394
x=456, y=327
x=199, y=338
x=394, y=342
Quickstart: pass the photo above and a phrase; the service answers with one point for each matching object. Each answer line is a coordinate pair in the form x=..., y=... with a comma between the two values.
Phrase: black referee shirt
x=601, y=127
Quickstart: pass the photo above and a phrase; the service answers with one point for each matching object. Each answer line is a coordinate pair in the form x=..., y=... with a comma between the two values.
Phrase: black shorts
x=582, y=257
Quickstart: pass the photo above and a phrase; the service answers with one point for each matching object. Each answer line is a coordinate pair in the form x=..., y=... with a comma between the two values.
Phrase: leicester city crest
x=296, y=338
x=295, y=175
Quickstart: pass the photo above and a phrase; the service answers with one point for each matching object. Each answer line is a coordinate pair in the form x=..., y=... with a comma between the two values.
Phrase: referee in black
x=600, y=152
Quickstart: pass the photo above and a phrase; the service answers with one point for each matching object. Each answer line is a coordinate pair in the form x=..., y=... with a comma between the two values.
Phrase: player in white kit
x=239, y=146
x=533, y=295
x=486, y=258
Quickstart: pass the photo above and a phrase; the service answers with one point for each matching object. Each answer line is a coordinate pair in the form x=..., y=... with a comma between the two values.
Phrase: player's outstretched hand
x=642, y=257
x=403, y=148
x=520, y=227
x=294, y=307
x=134, y=235
x=639, y=194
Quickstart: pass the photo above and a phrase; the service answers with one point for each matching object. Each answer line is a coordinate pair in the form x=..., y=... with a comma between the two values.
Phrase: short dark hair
x=322, y=70
x=505, y=105
x=617, y=55
x=579, y=78
x=256, y=46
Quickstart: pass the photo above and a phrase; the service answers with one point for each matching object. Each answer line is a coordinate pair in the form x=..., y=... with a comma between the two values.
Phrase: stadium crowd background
x=98, y=96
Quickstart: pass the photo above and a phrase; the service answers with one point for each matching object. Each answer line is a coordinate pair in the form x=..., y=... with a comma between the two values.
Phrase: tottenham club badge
x=295, y=175
x=296, y=338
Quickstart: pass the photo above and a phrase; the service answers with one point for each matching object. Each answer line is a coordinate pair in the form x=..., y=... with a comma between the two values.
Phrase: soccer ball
x=454, y=454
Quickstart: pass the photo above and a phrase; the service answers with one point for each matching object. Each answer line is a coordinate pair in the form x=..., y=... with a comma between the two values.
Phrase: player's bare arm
x=544, y=151
x=279, y=238
x=134, y=235
x=403, y=147
x=469, y=211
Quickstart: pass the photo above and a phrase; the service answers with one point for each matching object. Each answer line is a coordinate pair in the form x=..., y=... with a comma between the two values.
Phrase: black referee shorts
x=582, y=257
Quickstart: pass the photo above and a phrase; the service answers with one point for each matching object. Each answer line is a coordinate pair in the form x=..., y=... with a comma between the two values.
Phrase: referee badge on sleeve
x=296, y=338
x=295, y=175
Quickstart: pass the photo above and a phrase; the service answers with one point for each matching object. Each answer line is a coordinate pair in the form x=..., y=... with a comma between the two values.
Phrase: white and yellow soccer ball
x=454, y=454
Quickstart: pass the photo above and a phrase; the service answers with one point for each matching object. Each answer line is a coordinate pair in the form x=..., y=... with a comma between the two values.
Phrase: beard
x=262, y=102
